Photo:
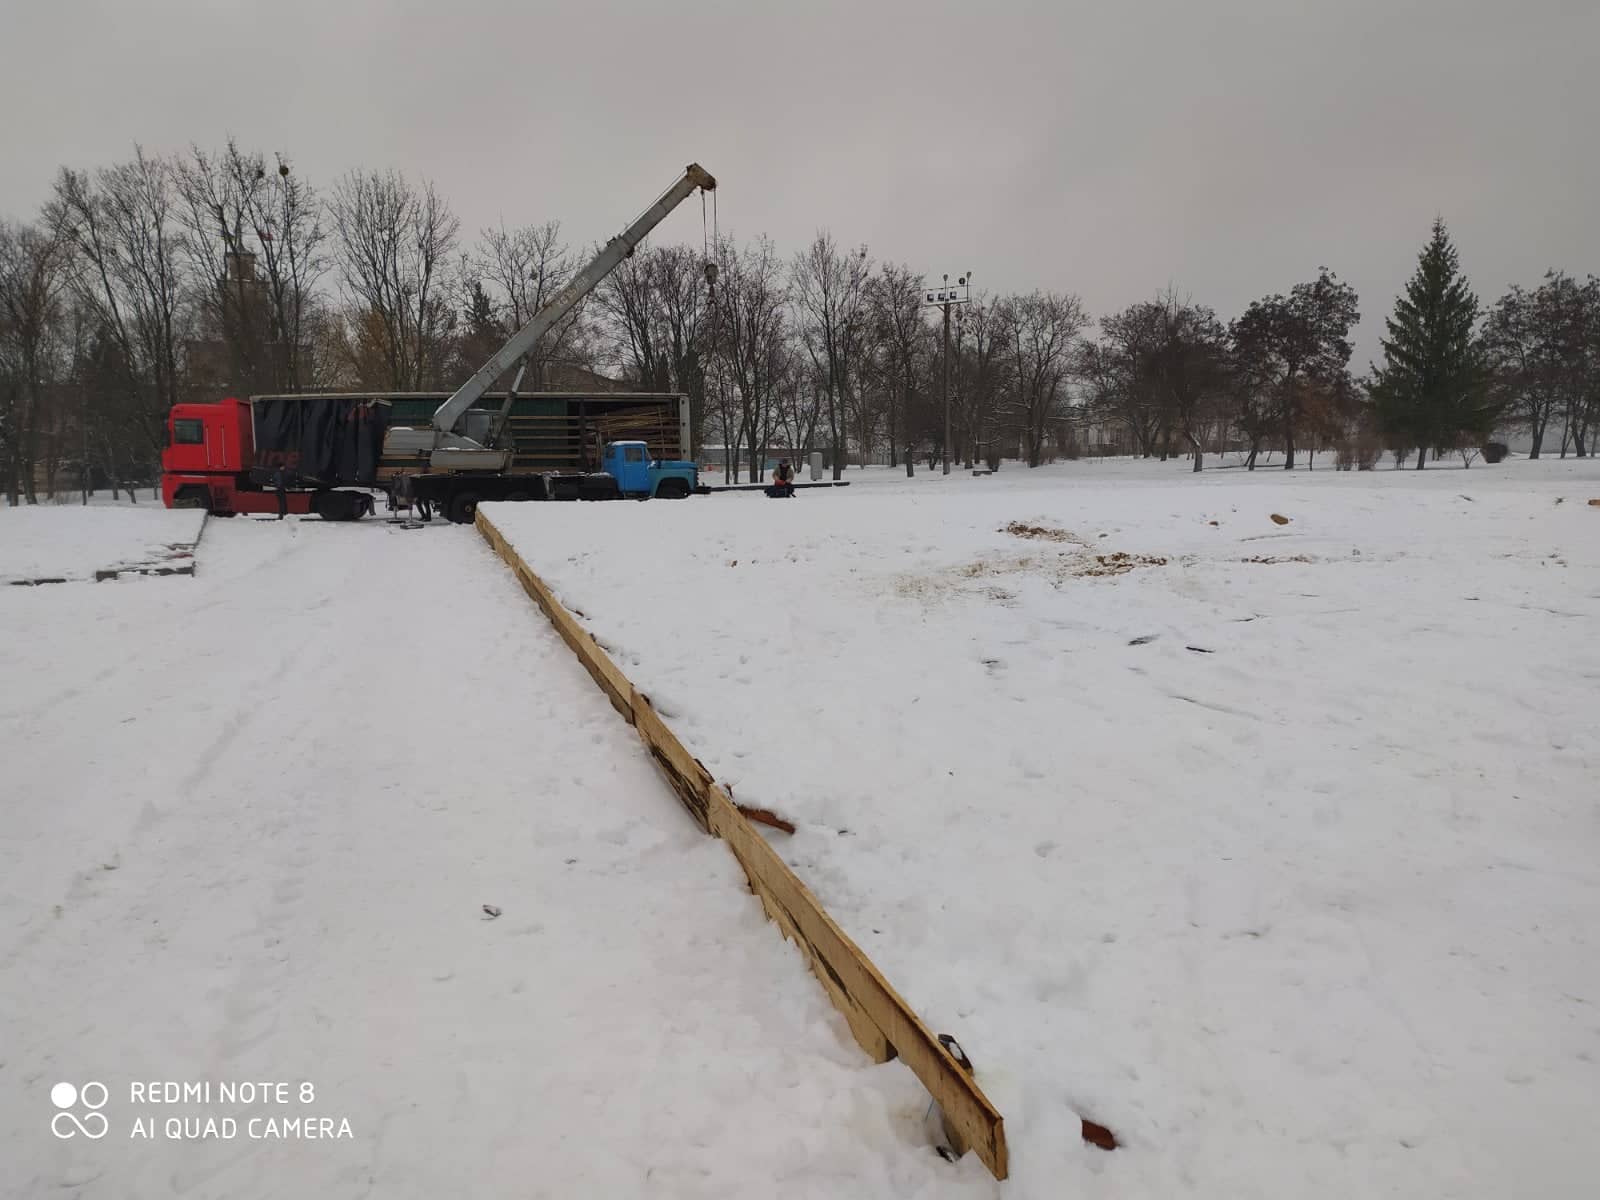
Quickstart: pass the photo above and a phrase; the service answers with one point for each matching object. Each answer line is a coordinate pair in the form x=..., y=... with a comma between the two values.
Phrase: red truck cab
x=208, y=459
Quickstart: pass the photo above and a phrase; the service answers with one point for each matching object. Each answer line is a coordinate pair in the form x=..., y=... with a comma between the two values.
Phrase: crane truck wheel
x=673, y=489
x=464, y=508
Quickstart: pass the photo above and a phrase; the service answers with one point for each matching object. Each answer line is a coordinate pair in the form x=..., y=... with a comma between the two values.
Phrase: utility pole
x=943, y=298
x=946, y=389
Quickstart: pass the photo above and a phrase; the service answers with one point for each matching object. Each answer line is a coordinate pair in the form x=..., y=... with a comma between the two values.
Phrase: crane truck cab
x=640, y=477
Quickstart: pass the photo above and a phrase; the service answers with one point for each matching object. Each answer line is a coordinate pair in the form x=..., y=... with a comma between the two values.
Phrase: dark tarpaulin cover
x=321, y=439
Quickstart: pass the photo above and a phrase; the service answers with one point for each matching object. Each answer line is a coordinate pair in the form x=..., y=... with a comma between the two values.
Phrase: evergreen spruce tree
x=1432, y=390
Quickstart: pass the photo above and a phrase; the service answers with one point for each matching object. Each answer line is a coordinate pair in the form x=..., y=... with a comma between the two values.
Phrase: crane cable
x=711, y=295
x=710, y=263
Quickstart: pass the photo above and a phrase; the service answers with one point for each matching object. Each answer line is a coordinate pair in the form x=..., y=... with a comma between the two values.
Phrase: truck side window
x=634, y=453
x=187, y=432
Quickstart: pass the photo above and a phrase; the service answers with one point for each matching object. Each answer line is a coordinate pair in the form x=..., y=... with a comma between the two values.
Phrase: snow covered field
x=252, y=818
x=68, y=543
x=1273, y=847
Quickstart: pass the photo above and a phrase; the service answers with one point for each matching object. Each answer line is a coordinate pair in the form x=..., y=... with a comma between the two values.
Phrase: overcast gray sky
x=1107, y=149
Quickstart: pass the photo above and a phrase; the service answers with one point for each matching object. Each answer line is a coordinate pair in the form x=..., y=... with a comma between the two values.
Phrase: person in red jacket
x=783, y=479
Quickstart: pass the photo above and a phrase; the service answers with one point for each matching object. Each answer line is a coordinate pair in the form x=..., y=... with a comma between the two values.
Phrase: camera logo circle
x=66, y=1123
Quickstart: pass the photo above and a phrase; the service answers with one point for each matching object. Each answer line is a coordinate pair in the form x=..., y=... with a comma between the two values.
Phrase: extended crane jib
x=585, y=281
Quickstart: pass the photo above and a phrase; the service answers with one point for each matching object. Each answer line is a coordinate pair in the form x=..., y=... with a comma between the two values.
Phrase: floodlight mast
x=944, y=297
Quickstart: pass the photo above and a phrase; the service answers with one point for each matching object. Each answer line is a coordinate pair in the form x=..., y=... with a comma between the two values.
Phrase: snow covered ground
x=1272, y=847
x=252, y=818
x=61, y=542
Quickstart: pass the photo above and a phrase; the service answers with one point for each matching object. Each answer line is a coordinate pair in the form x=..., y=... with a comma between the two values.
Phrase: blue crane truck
x=640, y=477
x=627, y=472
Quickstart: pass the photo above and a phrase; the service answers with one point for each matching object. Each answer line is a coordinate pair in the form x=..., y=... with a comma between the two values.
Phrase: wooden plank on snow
x=595, y=660
x=880, y=1020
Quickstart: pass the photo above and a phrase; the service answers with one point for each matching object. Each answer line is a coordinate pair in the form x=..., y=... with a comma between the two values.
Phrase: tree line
x=197, y=275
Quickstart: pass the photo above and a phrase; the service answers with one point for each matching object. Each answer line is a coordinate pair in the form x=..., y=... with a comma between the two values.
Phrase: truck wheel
x=340, y=506
x=673, y=489
x=192, y=497
x=464, y=508
x=598, y=487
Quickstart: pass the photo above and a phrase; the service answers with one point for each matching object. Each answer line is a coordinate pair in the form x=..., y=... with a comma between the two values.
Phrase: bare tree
x=526, y=267
x=654, y=306
x=895, y=300
x=1568, y=317
x=634, y=320
x=128, y=269
x=1190, y=365
x=394, y=244
x=751, y=337
x=32, y=273
x=797, y=403
x=1524, y=362
x=1254, y=384
x=288, y=222
x=107, y=418
x=1040, y=331
x=1119, y=373
x=227, y=296
x=831, y=295
x=1586, y=382
x=679, y=276
x=865, y=405
x=982, y=366
x=256, y=241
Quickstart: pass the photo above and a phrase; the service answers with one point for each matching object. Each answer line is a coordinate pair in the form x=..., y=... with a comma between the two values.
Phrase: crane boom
x=451, y=411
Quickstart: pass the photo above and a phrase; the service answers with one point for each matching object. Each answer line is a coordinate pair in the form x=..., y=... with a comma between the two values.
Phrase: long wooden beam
x=881, y=1021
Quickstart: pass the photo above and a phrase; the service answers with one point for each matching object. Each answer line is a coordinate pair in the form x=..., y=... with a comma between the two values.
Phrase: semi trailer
x=332, y=453
x=325, y=453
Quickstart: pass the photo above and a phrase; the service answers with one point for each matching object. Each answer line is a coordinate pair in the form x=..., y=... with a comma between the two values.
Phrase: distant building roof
x=560, y=376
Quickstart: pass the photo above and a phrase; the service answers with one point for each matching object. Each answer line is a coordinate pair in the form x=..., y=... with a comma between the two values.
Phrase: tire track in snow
x=310, y=909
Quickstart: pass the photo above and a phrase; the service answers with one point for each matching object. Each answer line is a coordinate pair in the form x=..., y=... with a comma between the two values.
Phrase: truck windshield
x=188, y=432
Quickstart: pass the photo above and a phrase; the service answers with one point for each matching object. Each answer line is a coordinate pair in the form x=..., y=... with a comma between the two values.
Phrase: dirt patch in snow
x=1043, y=533
x=1057, y=568
x=960, y=580
x=985, y=567
x=1118, y=564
